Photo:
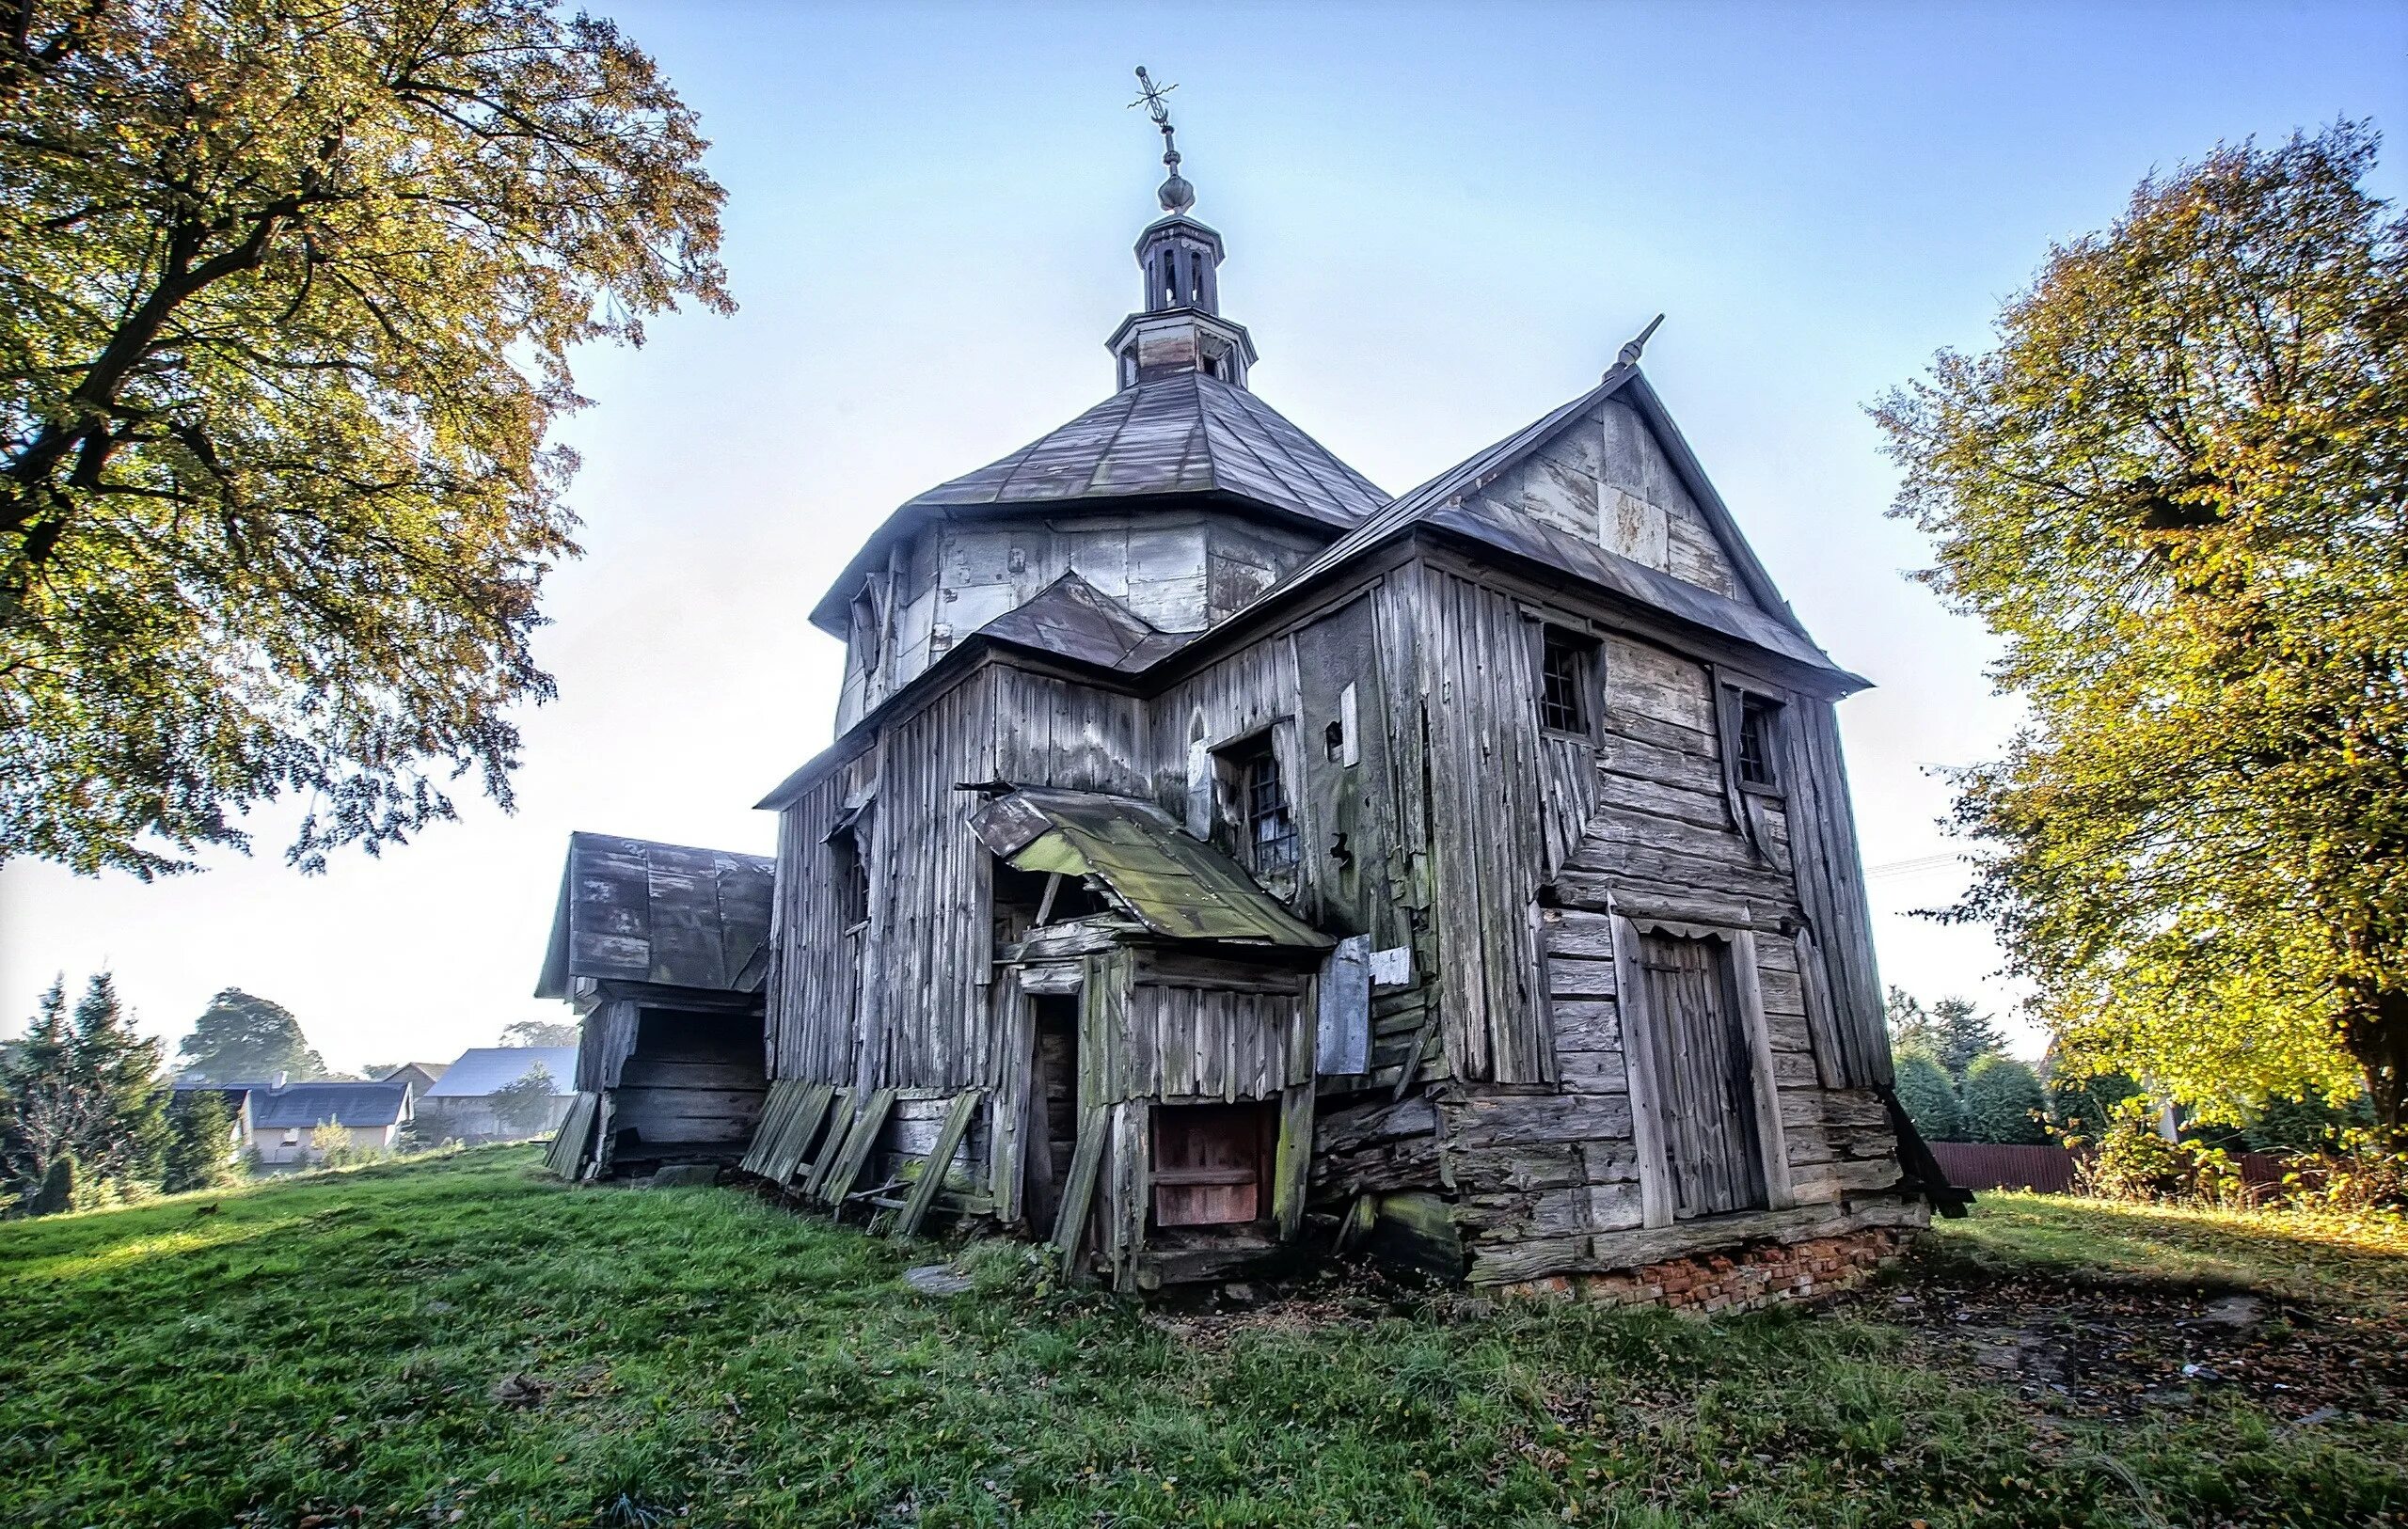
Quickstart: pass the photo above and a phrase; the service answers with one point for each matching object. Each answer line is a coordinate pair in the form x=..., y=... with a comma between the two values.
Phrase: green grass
x=2357, y=1264
x=461, y=1340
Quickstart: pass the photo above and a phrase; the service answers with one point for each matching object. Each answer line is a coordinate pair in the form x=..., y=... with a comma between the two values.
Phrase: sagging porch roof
x=1176, y=885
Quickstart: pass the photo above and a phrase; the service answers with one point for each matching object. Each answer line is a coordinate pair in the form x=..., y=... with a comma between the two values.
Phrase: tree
x=288, y=294
x=2003, y=1103
x=84, y=1085
x=1929, y=1098
x=57, y=1192
x=524, y=1105
x=242, y=1036
x=1952, y=1031
x=2178, y=489
x=2081, y=1104
x=539, y=1032
x=330, y=1143
x=200, y=1151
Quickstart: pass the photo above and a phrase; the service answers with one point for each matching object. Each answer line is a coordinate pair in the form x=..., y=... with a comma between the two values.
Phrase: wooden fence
x=2050, y=1169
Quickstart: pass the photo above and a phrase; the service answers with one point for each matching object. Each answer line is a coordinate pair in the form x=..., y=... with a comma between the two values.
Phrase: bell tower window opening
x=866, y=634
x=848, y=879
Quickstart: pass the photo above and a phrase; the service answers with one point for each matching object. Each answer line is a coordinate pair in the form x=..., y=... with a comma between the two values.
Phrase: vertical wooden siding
x=1506, y=806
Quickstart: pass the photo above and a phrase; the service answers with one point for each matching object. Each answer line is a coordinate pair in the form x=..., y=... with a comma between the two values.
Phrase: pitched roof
x=483, y=1069
x=1189, y=433
x=1176, y=885
x=1450, y=501
x=631, y=910
x=304, y=1105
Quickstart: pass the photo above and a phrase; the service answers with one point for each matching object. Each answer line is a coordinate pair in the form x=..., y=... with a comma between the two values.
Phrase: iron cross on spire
x=1176, y=194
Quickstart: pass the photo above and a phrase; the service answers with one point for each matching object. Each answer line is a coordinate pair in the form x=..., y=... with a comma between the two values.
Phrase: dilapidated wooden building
x=1221, y=859
x=662, y=951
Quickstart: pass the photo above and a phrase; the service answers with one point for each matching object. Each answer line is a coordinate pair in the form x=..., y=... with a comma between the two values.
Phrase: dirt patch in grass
x=2131, y=1349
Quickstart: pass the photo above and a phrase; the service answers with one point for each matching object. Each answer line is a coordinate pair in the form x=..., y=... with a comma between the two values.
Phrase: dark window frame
x=1758, y=736
x=1567, y=698
x=1255, y=787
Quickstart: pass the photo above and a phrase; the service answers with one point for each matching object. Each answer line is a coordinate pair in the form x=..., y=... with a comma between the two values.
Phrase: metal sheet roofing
x=484, y=1069
x=1176, y=885
x=1189, y=433
x=631, y=910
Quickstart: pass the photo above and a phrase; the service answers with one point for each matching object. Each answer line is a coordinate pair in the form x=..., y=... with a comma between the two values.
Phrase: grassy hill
x=462, y=1341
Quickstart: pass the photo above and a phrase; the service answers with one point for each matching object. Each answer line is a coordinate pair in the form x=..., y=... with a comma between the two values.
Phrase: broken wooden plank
x=1078, y=1194
x=924, y=1193
x=1291, y=1162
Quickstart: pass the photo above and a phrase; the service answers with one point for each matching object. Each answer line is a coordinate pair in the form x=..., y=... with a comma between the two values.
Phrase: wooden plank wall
x=924, y=1009
x=811, y=1034
x=1507, y=805
x=604, y=1038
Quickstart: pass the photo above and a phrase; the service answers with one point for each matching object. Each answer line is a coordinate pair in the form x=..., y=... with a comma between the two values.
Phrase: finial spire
x=1177, y=195
x=1630, y=353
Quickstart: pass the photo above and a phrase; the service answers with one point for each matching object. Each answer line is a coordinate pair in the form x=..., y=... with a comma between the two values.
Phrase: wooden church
x=1221, y=862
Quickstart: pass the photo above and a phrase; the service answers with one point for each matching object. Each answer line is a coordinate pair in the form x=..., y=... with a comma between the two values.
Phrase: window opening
x=1270, y=827
x=866, y=632
x=1563, y=681
x=849, y=878
x=1758, y=717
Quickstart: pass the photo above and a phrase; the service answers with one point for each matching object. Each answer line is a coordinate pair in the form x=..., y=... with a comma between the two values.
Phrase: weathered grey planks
x=939, y=1160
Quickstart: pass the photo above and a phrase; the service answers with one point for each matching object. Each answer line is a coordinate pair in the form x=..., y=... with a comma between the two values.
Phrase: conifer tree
x=1929, y=1098
x=126, y=1140
x=200, y=1154
x=2004, y=1102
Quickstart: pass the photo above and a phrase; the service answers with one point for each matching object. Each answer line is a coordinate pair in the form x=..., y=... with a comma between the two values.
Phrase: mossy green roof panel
x=1178, y=885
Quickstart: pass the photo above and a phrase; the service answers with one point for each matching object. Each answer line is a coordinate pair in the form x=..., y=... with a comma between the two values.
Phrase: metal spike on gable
x=1630, y=353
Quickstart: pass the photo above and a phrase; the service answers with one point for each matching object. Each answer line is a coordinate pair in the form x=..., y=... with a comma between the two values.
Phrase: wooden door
x=1690, y=1014
x=1211, y=1163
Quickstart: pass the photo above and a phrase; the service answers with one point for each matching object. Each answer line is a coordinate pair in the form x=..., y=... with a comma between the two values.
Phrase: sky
x=1442, y=222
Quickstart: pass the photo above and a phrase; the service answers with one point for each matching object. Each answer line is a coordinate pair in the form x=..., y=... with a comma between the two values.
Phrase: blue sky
x=1442, y=221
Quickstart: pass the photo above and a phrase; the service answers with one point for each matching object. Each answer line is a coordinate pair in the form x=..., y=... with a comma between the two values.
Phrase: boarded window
x=1211, y=1163
x=1565, y=663
x=1759, y=739
x=1704, y=1078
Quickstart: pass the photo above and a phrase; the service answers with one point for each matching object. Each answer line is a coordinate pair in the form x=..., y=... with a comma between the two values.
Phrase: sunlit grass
x=467, y=1337
x=2291, y=1253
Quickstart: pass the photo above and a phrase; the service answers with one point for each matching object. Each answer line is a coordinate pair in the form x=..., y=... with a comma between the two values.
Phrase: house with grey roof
x=477, y=1097
x=285, y=1119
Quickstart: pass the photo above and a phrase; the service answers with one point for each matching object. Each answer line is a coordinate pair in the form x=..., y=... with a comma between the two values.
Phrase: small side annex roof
x=1177, y=886
x=631, y=910
x=1189, y=433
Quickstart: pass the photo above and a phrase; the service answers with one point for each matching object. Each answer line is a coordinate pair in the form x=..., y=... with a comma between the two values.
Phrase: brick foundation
x=1735, y=1278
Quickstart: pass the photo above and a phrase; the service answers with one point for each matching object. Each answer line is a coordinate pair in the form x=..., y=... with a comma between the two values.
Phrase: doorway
x=1052, y=1105
x=1704, y=1075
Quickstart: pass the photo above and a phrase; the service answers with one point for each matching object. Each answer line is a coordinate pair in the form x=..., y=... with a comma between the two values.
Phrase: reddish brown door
x=1210, y=1164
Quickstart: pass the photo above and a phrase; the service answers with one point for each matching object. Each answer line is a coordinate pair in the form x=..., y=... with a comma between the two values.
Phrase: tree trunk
x=2374, y=1028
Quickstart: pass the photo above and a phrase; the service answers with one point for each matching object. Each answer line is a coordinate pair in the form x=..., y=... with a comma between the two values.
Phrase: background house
x=467, y=1102
x=284, y=1119
x=420, y=1076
